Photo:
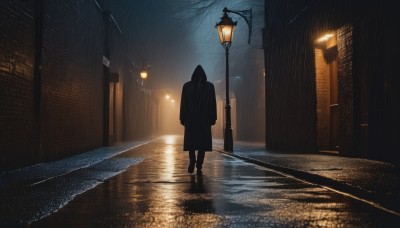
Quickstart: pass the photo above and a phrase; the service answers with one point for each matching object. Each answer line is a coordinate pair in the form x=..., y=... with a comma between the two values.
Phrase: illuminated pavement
x=374, y=181
x=157, y=191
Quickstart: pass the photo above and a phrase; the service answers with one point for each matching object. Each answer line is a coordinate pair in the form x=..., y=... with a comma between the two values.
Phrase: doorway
x=326, y=66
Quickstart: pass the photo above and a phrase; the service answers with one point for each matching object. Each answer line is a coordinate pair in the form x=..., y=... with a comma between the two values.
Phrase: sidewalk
x=373, y=181
x=36, y=191
x=31, y=175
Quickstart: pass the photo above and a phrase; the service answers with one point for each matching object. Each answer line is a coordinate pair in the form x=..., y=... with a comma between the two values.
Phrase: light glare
x=325, y=37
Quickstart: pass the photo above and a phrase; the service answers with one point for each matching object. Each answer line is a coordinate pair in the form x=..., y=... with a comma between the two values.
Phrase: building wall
x=322, y=89
x=61, y=115
x=17, y=56
x=378, y=78
x=392, y=81
x=143, y=113
x=71, y=78
x=367, y=74
x=290, y=79
x=346, y=90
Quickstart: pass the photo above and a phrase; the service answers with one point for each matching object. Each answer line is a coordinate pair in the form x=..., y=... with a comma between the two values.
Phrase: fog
x=172, y=37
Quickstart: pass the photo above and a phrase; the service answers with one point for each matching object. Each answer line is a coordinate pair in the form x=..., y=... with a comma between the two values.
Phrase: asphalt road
x=157, y=191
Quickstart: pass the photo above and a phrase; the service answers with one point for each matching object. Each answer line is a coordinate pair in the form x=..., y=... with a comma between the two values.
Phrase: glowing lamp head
x=225, y=29
x=143, y=74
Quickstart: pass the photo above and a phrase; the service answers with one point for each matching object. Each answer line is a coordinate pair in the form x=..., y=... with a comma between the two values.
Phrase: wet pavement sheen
x=158, y=192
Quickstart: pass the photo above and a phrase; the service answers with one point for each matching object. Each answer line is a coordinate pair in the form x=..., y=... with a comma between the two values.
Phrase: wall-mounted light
x=325, y=37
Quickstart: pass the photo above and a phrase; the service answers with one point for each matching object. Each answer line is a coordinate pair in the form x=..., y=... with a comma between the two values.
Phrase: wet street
x=158, y=192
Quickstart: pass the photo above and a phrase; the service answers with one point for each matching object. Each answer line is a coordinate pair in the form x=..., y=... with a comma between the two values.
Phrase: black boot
x=191, y=167
x=192, y=158
x=200, y=160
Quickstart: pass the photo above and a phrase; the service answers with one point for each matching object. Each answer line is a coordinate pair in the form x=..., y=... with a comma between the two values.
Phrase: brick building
x=57, y=94
x=331, y=78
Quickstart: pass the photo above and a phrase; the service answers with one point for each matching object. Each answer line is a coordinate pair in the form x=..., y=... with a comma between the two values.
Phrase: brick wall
x=17, y=55
x=322, y=89
x=68, y=118
x=71, y=78
x=346, y=89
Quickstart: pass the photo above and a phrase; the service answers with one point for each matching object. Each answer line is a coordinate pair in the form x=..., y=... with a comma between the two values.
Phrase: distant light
x=325, y=37
x=167, y=97
x=169, y=139
x=143, y=74
x=172, y=100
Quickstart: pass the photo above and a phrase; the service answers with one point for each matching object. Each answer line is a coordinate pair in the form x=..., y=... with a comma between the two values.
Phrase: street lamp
x=144, y=72
x=225, y=29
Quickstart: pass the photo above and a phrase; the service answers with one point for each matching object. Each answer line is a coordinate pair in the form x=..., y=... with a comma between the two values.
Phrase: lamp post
x=225, y=29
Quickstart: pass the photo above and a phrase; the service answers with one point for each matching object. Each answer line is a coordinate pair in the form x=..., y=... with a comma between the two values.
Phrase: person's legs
x=192, y=162
x=200, y=160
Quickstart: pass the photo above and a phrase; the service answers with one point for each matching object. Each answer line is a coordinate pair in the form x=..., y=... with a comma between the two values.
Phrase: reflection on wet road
x=159, y=192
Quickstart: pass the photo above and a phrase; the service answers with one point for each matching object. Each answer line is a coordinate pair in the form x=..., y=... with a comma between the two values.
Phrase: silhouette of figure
x=198, y=112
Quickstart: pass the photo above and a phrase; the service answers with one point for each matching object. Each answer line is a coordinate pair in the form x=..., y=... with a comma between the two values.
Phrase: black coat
x=198, y=111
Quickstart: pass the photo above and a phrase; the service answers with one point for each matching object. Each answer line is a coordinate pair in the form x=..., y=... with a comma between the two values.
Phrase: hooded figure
x=198, y=112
